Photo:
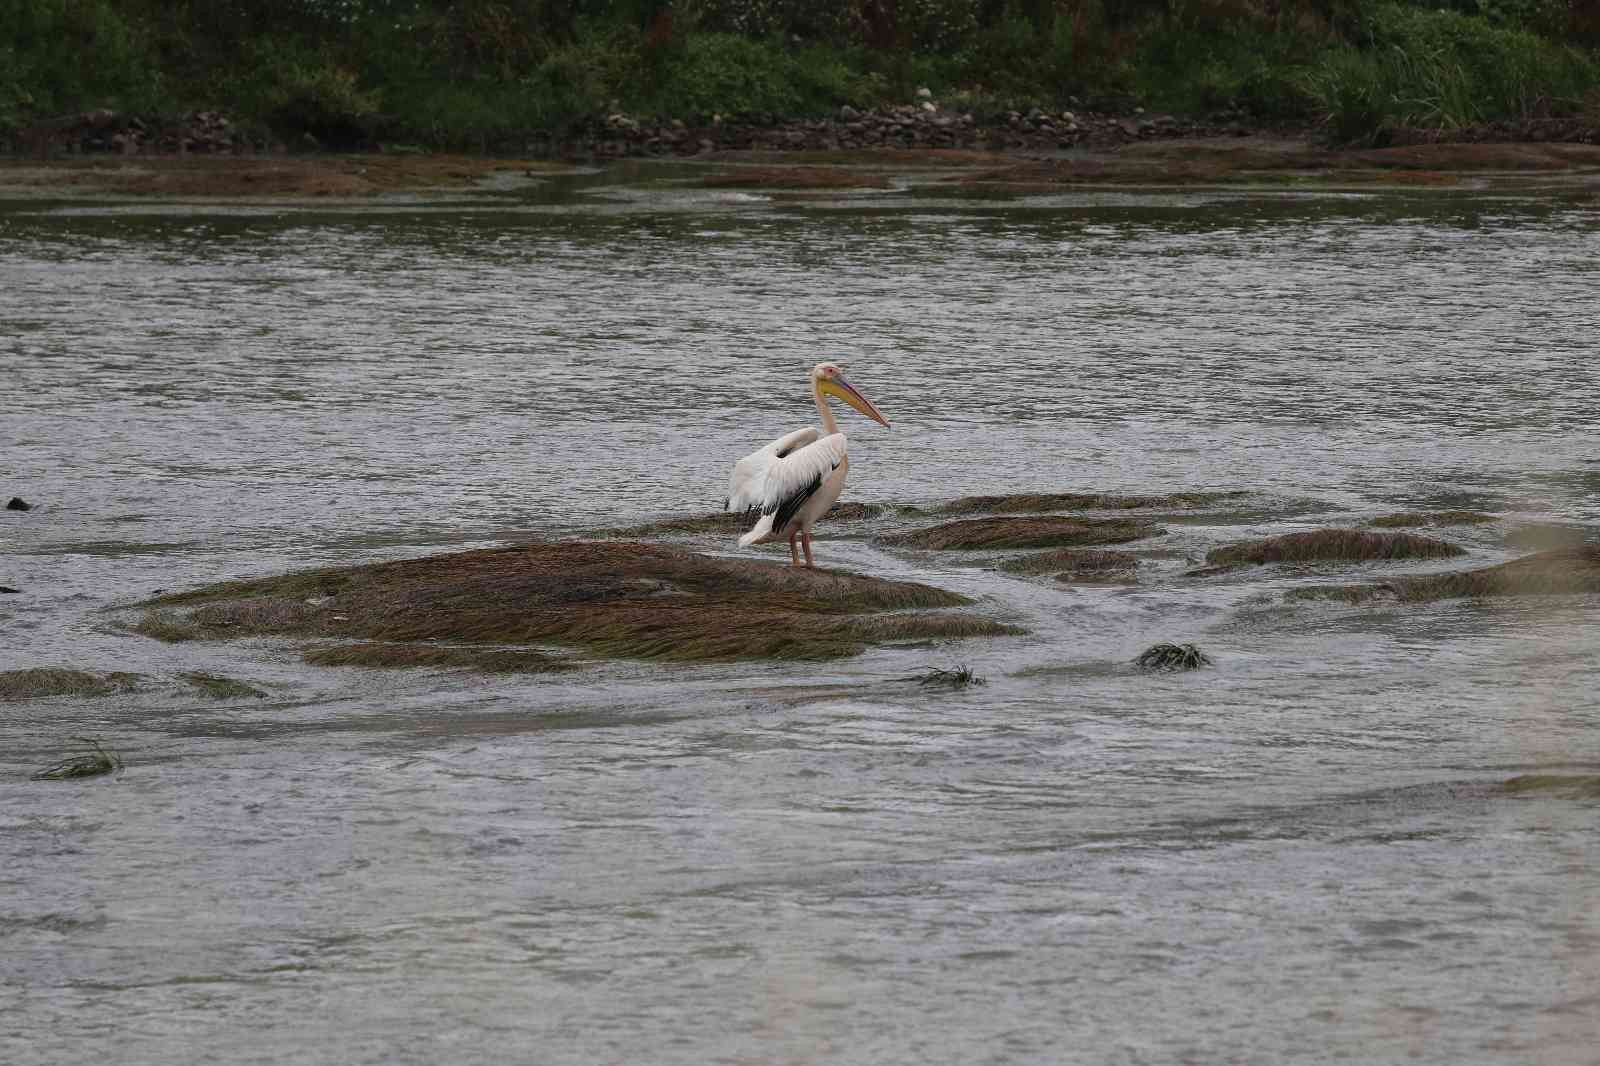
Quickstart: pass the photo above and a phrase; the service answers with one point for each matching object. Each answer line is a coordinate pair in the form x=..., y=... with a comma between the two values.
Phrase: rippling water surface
x=1298, y=853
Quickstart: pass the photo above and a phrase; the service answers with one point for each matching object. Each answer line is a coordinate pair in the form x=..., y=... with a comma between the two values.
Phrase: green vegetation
x=59, y=681
x=492, y=73
x=1330, y=545
x=960, y=677
x=1172, y=657
x=86, y=764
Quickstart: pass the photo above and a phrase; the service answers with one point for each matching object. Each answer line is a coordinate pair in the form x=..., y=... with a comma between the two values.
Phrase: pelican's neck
x=829, y=426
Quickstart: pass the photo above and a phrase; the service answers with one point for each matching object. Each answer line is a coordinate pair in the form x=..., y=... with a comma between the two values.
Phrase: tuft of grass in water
x=101, y=760
x=222, y=688
x=1323, y=545
x=1072, y=563
x=1408, y=519
x=1172, y=657
x=56, y=681
x=1040, y=532
x=960, y=677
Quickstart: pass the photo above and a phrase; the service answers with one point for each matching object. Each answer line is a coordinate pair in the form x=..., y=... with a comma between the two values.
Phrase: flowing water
x=1299, y=853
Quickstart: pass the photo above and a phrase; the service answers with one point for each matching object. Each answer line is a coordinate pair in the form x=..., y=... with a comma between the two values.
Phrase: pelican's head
x=828, y=380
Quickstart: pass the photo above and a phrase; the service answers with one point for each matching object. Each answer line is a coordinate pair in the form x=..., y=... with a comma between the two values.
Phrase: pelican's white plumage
x=794, y=480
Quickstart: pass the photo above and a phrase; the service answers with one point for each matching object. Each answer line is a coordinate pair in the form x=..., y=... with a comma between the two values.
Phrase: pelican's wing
x=750, y=473
x=791, y=481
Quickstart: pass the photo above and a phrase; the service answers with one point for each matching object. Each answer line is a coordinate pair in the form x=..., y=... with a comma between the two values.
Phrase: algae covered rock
x=1034, y=532
x=1074, y=564
x=1044, y=502
x=1411, y=519
x=1331, y=545
x=613, y=599
x=1566, y=571
x=59, y=681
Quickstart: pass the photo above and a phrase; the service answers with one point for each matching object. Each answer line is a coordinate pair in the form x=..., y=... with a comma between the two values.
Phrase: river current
x=1300, y=853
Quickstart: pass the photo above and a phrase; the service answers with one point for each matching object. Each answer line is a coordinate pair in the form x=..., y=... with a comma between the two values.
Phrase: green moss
x=98, y=760
x=1327, y=545
x=57, y=681
x=1040, y=532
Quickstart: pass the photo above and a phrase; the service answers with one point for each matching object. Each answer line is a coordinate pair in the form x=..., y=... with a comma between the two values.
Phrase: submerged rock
x=58, y=681
x=1034, y=502
x=1073, y=564
x=1566, y=571
x=1573, y=786
x=1324, y=545
x=1040, y=532
x=1408, y=519
x=17, y=503
x=623, y=600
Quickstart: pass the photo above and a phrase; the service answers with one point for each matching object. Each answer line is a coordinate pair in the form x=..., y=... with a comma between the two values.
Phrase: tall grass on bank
x=1445, y=70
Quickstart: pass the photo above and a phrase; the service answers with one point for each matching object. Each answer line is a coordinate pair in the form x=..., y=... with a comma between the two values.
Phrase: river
x=1300, y=853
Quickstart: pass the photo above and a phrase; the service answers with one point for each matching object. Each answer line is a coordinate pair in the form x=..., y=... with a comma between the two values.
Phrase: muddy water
x=1297, y=854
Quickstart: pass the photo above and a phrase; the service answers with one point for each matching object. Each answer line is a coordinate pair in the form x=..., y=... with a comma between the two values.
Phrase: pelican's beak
x=838, y=386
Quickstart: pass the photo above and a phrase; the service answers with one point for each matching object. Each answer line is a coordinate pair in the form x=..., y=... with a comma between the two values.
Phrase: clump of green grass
x=960, y=677
x=1576, y=786
x=399, y=656
x=100, y=760
x=1172, y=657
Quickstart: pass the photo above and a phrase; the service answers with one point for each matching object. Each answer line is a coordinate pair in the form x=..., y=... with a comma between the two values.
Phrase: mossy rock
x=1045, y=502
x=1073, y=564
x=1039, y=532
x=1412, y=519
x=1331, y=545
x=617, y=599
x=58, y=681
x=1566, y=571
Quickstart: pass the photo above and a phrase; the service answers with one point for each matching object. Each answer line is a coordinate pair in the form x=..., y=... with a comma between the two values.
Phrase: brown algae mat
x=1331, y=545
x=613, y=599
x=1565, y=571
x=58, y=681
x=1049, y=531
x=1412, y=519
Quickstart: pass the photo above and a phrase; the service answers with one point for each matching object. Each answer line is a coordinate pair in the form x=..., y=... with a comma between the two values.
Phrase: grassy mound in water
x=437, y=656
x=1041, y=532
x=1410, y=519
x=1043, y=502
x=622, y=600
x=1573, y=786
x=1567, y=571
x=1069, y=564
x=1329, y=545
x=57, y=681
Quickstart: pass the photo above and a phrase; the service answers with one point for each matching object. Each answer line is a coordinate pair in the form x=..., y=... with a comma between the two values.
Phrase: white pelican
x=795, y=479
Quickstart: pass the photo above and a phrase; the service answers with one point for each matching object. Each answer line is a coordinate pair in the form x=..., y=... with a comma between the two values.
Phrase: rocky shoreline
x=921, y=125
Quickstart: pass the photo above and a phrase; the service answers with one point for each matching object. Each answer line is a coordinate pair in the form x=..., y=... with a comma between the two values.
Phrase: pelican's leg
x=805, y=541
x=794, y=550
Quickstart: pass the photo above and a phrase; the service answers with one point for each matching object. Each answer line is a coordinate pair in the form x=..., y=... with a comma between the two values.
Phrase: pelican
x=795, y=479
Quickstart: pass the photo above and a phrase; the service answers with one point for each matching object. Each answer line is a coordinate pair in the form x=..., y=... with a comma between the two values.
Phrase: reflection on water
x=1293, y=854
